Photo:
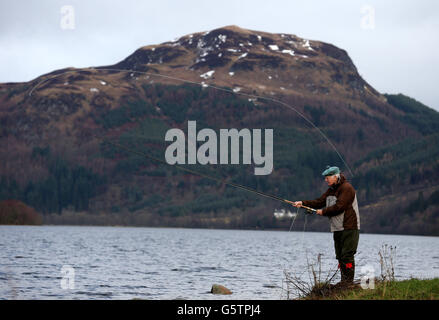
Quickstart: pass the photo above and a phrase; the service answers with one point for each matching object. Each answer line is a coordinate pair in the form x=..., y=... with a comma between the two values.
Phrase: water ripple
x=149, y=263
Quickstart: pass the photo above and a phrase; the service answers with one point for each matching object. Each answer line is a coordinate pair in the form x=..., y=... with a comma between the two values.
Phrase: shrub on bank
x=17, y=213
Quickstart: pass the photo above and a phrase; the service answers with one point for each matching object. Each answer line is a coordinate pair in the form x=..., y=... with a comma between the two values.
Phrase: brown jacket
x=341, y=206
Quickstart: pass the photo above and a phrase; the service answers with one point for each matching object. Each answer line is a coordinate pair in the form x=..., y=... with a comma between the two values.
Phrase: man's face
x=331, y=180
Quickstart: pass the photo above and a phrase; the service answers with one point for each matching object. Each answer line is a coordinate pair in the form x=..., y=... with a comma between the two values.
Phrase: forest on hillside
x=114, y=186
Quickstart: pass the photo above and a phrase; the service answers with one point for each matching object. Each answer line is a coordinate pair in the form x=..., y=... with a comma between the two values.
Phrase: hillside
x=309, y=92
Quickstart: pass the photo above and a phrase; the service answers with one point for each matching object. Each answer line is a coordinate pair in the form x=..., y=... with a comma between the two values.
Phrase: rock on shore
x=219, y=289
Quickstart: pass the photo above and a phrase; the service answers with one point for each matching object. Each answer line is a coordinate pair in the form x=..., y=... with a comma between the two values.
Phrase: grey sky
x=400, y=54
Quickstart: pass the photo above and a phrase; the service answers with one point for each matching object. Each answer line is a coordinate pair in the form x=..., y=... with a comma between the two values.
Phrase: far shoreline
x=210, y=228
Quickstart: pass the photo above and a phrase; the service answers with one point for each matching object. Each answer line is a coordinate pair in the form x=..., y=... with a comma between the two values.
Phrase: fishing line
x=211, y=86
x=303, y=232
x=222, y=181
x=294, y=219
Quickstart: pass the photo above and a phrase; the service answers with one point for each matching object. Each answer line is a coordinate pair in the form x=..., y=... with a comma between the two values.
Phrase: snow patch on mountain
x=222, y=37
x=291, y=52
x=208, y=74
x=307, y=45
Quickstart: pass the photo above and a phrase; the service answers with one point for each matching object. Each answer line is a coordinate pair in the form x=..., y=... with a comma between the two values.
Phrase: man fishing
x=341, y=206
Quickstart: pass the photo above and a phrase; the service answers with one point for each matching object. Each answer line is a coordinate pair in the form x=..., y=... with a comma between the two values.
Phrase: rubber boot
x=337, y=285
x=347, y=271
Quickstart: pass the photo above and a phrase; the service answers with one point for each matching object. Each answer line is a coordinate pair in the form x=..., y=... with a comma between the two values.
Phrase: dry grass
x=318, y=286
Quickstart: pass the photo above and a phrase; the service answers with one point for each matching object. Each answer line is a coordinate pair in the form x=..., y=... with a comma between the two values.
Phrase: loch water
x=77, y=262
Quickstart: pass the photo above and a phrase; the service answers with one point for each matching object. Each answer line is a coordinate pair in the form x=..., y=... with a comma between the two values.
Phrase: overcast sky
x=394, y=44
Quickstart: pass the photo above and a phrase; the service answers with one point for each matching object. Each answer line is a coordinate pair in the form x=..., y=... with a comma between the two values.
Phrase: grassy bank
x=412, y=289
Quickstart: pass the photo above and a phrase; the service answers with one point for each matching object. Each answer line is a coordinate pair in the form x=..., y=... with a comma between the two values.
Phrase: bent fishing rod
x=222, y=181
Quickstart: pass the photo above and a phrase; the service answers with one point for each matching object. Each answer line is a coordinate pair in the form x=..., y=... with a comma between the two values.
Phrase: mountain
x=309, y=92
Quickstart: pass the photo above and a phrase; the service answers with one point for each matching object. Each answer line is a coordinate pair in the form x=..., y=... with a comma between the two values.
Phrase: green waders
x=346, y=242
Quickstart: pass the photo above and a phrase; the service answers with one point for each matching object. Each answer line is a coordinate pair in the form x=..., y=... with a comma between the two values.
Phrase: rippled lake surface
x=70, y=262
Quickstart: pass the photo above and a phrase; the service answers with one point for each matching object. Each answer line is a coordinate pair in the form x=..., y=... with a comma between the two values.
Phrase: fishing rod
x=222, y=181
x=305, y=207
